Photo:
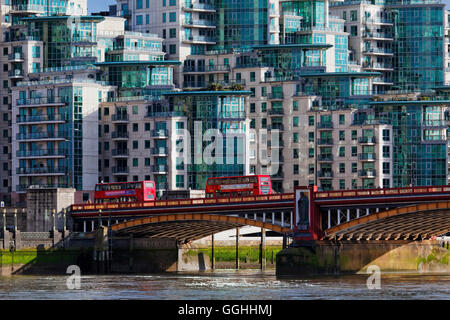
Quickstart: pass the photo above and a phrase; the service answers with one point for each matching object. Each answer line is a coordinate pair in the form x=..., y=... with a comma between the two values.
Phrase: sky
x=102, y=5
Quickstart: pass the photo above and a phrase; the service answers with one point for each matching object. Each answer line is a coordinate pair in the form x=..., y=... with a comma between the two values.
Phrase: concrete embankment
x=34, y=261
x=324, y=257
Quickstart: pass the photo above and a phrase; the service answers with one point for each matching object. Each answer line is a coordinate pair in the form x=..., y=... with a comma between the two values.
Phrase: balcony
x=24, y=187
x=200, y=40
x=160, y=133
x=51, y=153
x=378, y=66
x=117, y=135
x=325, y=125
x=201, y=7
x=325, y=174
x=120, y=117
x=16, y=57
x=367, y=173
x=367, y=156
x=120, y=153
x=326, y=142
x=42, y=101
x=162, y=151
x=325, y=158
x=27, y=9
x=120, y=170
x=42, y=171
x=434, y=123
x=367, y=140
x=275, y=96
x=16, y=74
x=42, y=118
x=60, y=135
x=279, y=112
x=199, y=24
x=211, y=68
x=378, y=35
x=160, y=169
x=275, y=126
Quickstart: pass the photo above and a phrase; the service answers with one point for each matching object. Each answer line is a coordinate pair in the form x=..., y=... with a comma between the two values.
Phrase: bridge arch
x=188, y=227
x=421, y=221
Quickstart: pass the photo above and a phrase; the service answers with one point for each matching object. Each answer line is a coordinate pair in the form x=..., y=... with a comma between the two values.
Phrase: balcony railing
x=325, y=174
x=42, y=170
x=325, y=141
x=367, y=173
x=206, y=68
x=160, y=133
x=367, y=156
x=276, y=111
x=16, y=73
x=206, y=23
x=43, y=135
x=120, y=135
x=120, y=152
x=160, y=168
x=199, y=6
x=120, y=170
x=200, y=39
x=275, y=96
x=325, y=125
x=120, y=117
x=42, y=153
x=42, y=101
x=325, y=157
x=42, y=118
x=275, y=127
x=18, y=56
x=24, y=187
x=160, y=151
x=366, y=140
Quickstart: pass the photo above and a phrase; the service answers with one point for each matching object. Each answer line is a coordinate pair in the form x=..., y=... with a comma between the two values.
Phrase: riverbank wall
x=325, y=257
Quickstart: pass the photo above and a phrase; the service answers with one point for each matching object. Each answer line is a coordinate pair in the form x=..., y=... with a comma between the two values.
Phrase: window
x=173, y=49
x=264, y=123
x=310, y=136
x=354, y=135
x=164, y=15
x=135, y=162
x=311, y=120
x=295, y=153
x=386, y=183
x=135, y=178
x=147, y=19
x=139, y=20
x=295, y=169
x=135, y=144
x=106, y=145
x=172, y=17
x=295, y=122
x=311, y=152
x=295, y=137
x=341, y=151
x=5, y=166
x=354, y=167
x=147, y=144
x=386, y=152
x=106, y=128
x=386, y=168
x=172, y=33
x=311, y=169
x=295, y=105
x=341, y=135
x=342, y=119
x=135, y=110
x=354, y=31
x=135, y=127
x=341, y=167
x=252, y=76
x=252, y=124
x=264, y=107
x=263, y=92
x=354, y=151
x=386, y=135
x=138, y=4
x=253, y=90
x=106, y=111
x=179, y=181
x=252, y=107
x=147, y=126
x=106, y=162
x=172, y=2
x=353, y=15
x=342, y=184
x=147, y=162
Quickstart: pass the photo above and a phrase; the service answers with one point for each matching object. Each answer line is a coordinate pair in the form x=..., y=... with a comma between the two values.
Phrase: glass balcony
x=160, y=169
x=162, y=151
x=120, y=117
x=276, y=112
x=43, y=135
x=367, y=156
x=120, y=152
x=42, y=170
x=367, y=173
x=43, y=118
x=325, y=157
x=200, y=23
x=16, y=57
x=42, y=153
x=325, y=125
x=275, y=96
x=120, y=170
x=367, y=140
x=120, y=135
x=161, y=133
x=325, y=174
x=41, y=101
x=325, y=141
x=16, y=74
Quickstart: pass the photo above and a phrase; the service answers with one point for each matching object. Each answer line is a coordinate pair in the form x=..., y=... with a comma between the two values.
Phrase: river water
x=226, y=284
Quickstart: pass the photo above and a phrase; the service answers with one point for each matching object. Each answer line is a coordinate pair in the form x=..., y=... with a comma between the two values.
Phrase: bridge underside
x=395, y=225
x=187, y=227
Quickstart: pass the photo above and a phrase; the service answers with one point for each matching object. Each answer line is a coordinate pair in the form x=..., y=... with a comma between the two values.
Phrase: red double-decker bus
x=137, y=191
x=238, y=186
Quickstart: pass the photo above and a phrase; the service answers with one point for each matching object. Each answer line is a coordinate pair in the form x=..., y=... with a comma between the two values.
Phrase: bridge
x=374, y=214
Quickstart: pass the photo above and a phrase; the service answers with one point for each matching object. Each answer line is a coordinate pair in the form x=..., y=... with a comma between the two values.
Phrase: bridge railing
x=180, y=202
x=380, y=192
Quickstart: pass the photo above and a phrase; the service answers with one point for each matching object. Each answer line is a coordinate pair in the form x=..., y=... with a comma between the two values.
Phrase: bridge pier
x=341, y=257
x=263, y=249
x=237, y=248
x=213, y=258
